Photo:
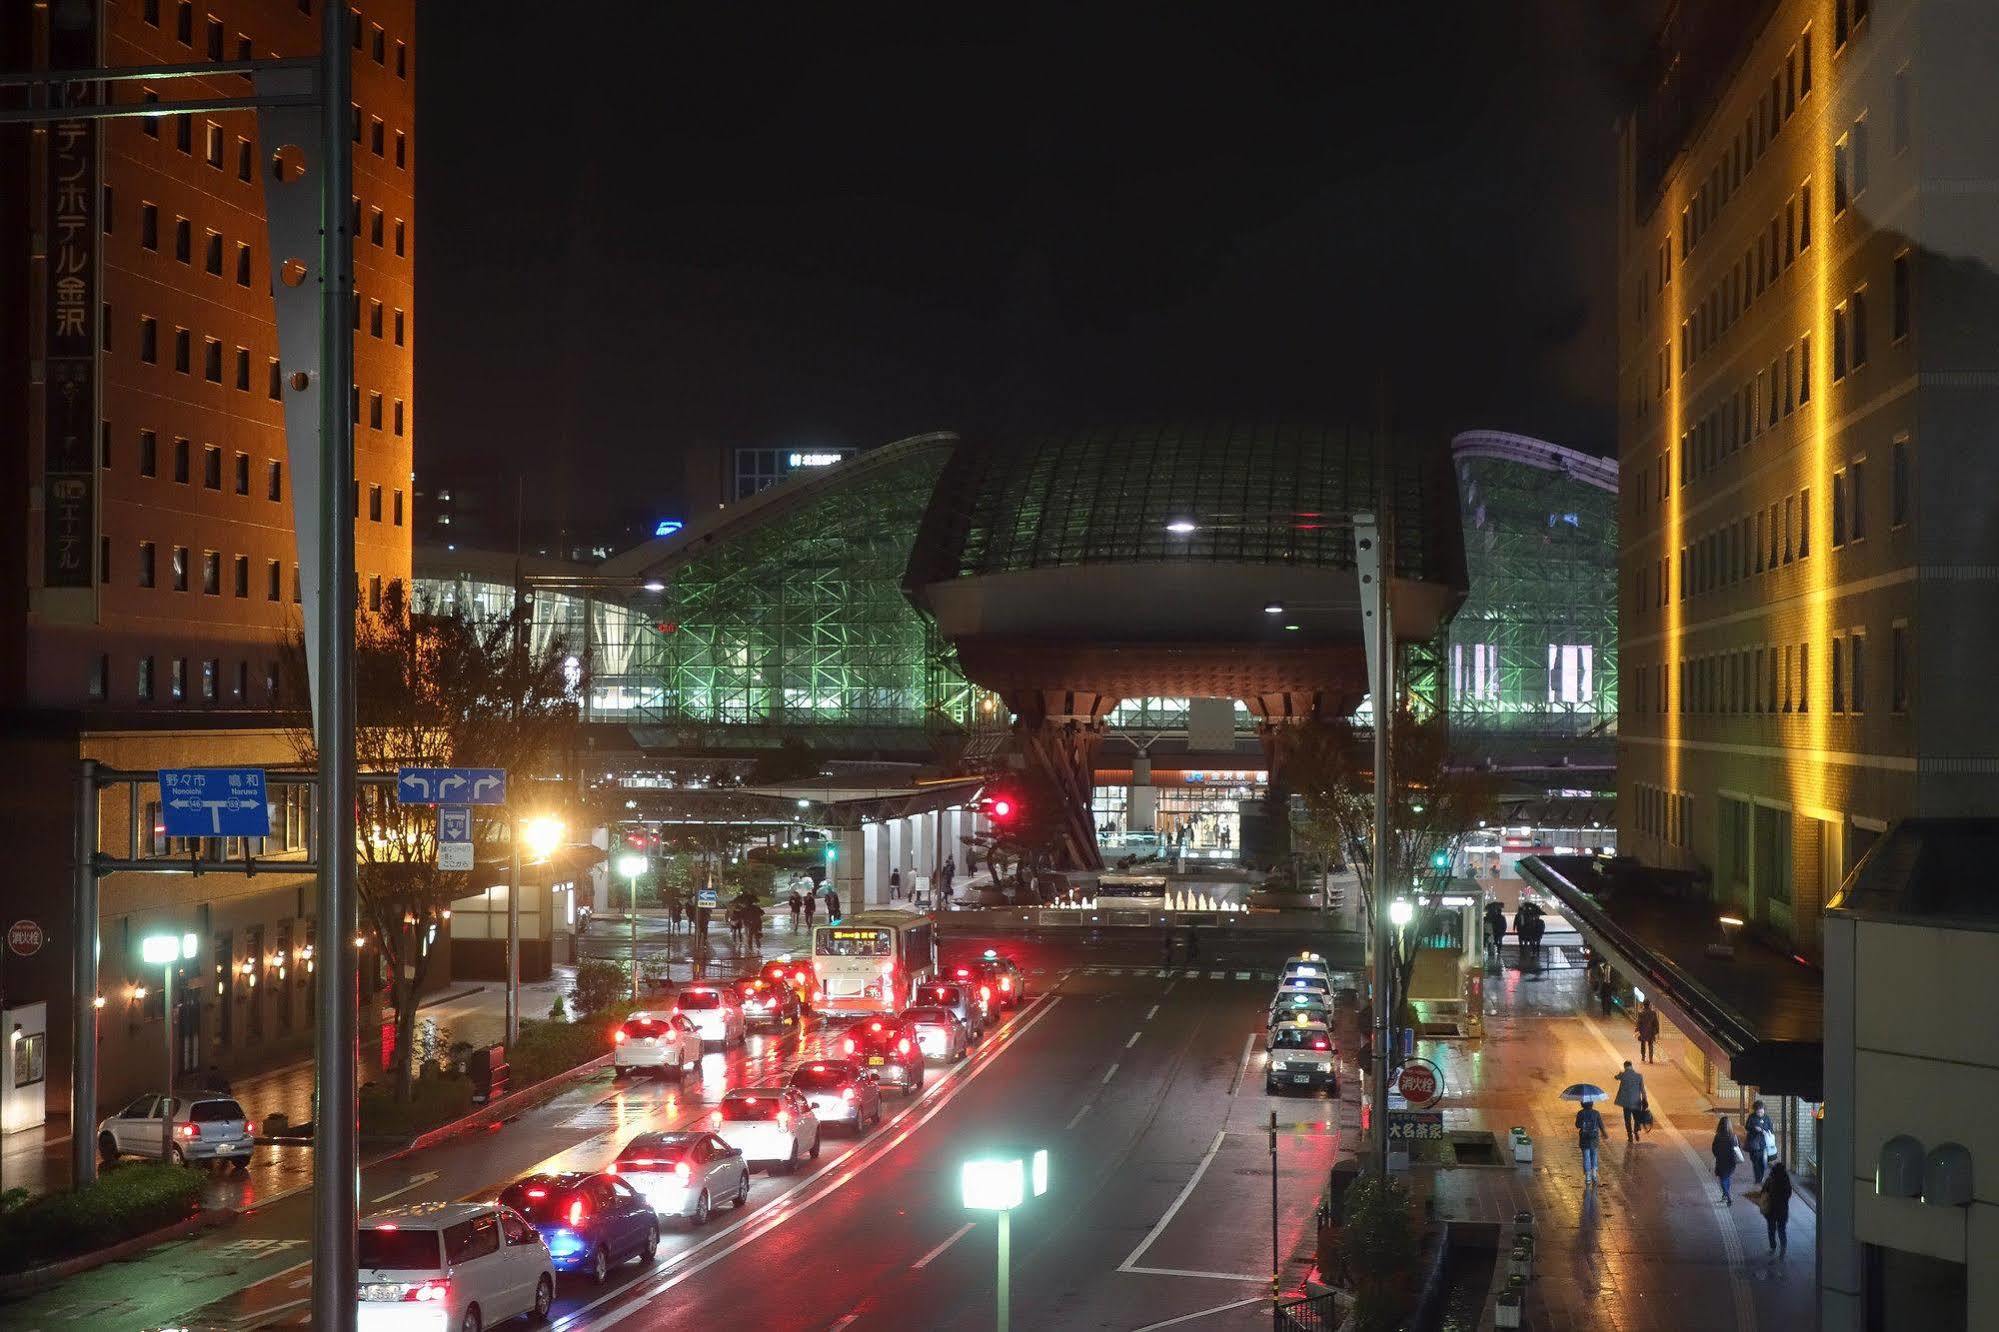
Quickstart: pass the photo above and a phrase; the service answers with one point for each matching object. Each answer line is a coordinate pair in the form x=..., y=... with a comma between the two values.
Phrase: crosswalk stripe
x=1159, y=975
x=1242, y=975
x=1190, y=975
x=1216, y=975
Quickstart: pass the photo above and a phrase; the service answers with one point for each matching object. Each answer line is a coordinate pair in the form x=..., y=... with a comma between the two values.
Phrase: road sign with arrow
x=214, y=802
x=451, y=786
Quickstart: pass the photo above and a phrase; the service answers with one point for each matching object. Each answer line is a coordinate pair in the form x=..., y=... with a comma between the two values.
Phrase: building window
x=149, y=340
x=150, y=124
x=211, y=360
x=184, y=134
x=1570, y=673
x=149, y=226
x=242, y=474
x=242, y=265
x=1898, y=667
x=1837, y=664
x=246, y=162
x=398, y=416
x=243, y=372
x=378, y=44
x=374, y=504
x=150, y=11
x=402, y=60
x=274, y=481
x=273, y=581
x=1841, y=180
x=243, y=576
x=183, y=240
x=209, y=670
x=375, y=592
x=1804, y=369
x=145, y=679
x=211, y=467
x=402, y=149
x=149, y=453
x=183, y=351
x=1805, y=65
x=1804, y=677
x=211, y=573
x=146, y=571
x=398, y=507
x=212, y=135
x=397, y=326
x=1898, y=299
x=1839, y=488
x=375, y=226
x=184, y=22
x=1858, y=150
x=1805, y=523
x=180, y=568
x=276, y=387
x=1804, y=217
x=374, y=411
x=1839, y=342
x=1857, y=499
x=374, y=319
x=1857, y=335
x=1856, y=672
x=399, y=237
x=297, y=592
x=215, y=38
x=1902, y=109
x=1898, y=482
x=377, y=136
x=180, y=461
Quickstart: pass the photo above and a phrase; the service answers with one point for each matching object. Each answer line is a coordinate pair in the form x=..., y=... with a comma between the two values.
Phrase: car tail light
x=611, y=1169
x=429, y=1292
x=784, y=1119
x=681, y=1172
x=903, y=1045
x=189, y=1131
x=985, y=993
x=1006, y=984
x=846, y=1093
x=848, y=1044
x=874, y=1026
x=964, y=972
x=716, y=1119
x=1321, y=1045
x=619, y=1036
x=537, y=1193
x=576, y=1212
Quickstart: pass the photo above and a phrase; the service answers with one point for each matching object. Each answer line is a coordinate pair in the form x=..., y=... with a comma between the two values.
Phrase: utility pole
x=513, y=1003
x=1372, y=539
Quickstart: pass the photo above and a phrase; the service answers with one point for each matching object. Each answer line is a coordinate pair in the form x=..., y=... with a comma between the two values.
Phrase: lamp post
x=540, y=835
x=1000, y=1184
x=631, y=864
x=166, y=951
x=1400, y=912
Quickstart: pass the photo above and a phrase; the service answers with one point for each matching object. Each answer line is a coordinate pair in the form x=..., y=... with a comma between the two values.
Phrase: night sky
x=797, y=227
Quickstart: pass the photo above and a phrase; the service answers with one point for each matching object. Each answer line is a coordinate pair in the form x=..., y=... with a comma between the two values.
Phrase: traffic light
x=1440, y=860
x=1002, y=807
x=832, y=852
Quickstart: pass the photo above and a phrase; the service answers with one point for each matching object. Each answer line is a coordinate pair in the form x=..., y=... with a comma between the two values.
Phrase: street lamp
x=1000, y=1184
x=631, y=864
x=165, y=951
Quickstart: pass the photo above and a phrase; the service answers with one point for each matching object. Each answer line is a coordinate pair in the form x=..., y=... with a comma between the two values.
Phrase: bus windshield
x=839, y=941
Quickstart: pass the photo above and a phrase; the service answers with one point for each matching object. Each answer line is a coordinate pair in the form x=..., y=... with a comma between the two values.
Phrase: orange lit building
x=149, y=578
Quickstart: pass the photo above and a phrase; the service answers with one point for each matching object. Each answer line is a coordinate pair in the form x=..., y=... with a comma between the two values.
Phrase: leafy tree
x=599, y=985
x=1378, y=1245
x=1436, y=798
x=437, y=690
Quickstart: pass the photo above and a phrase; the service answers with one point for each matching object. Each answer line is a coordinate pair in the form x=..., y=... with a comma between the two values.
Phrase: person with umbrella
x=1589, y=1124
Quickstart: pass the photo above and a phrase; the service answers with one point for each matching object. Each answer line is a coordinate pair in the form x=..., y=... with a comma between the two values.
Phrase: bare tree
x=438, y=690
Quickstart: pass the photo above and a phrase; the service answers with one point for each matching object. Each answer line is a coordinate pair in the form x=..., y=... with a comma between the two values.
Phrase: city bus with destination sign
x=872, y=962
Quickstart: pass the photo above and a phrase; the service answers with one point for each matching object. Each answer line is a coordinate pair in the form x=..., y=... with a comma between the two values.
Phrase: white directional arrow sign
x=451, y=786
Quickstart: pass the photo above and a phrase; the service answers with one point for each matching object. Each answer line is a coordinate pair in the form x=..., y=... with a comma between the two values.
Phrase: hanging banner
x=69, y=427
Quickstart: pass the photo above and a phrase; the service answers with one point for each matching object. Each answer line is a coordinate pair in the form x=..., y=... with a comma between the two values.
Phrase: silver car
x=684, y=1174
x=840, y=1093
x=200, y=1126
x=939, y=1033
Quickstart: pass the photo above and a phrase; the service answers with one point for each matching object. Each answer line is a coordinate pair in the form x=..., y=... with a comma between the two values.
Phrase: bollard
x=1523, y=1150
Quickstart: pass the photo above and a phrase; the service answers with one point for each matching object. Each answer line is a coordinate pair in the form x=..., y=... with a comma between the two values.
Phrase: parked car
x=685, y=1174
x=840, y=1093
x=203, y=1126
x=665, y=1042
x=771, y=1126
x=589, y=1221
x=1301, y=1054
x=463, y=1266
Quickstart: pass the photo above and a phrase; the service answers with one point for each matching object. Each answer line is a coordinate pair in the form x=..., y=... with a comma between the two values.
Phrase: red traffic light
x=1002, y=807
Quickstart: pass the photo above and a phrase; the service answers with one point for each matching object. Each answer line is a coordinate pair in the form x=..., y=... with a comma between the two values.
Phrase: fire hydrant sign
x=25, y=938
x=214, y=802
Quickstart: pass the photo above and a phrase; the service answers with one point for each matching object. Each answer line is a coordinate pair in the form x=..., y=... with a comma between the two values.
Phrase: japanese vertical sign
x=69, y=510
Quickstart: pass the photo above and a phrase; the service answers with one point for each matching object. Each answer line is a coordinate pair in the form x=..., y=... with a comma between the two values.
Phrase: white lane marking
x=1077, y=1118
x=1159, y=975
x=1190, y=1272
x=416, y=1182
x=758, y=1224
x=1242, y=1069
x=1110, y=1073
x=263, y=1317
x=1724, y=1219
x=1199, y=1313
x=1190, y=975
x=1129, y=1264
x=1152, y=1012
x=956, y=1235
x=849, y=1320
x=1240, y=975
x=1133, y=1041
x=1217, y=975
x=1169, y=984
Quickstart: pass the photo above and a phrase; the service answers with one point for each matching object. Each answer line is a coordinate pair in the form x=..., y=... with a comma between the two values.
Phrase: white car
x=684, y=1174
x=714, y=1012
x=1291, y=1007
x=1308, y=964
x=664, y=1041
x=1318, y=985
x=203, y=1126
x=451, y=1267
x=1301, y=1054
x=771, y=1126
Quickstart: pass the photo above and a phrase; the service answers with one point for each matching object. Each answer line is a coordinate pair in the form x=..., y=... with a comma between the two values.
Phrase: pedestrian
x=1605, y=990
x=811, y=907
x=1495, y=926
x=895, y=885
x=1726, y=1154
x=1648, y=1030
x=1630, y=1099
x=1776, y=1207
x=832, y=906
x=754, y=915
x=1759, y=1140
x=1589, y=1135
x=795, y=908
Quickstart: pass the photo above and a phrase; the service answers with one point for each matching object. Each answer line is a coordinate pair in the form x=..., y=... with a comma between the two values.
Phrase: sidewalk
x=1651, y=1247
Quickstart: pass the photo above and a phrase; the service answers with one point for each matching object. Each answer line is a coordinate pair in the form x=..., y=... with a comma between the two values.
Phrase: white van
x=451, y=1267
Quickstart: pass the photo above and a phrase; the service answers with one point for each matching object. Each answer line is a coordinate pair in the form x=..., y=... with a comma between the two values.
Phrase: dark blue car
x=589, y=1221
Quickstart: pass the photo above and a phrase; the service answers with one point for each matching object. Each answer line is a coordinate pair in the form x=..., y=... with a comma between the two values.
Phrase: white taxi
x=1301, y=1054
x=771, y=1126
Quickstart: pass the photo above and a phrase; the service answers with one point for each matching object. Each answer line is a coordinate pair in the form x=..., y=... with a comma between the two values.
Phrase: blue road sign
x=705, y=897
x=214, y=802
x=451, y=786
x=454, y=823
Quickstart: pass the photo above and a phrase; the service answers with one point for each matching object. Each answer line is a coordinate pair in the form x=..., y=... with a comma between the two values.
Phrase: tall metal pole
x=336, y=1156
x=635, y=938
x=1384, y=710
x=1274, y=1265
x=1005, y=1266
x=167, y=1109
x=83, y=985
x=514, y=931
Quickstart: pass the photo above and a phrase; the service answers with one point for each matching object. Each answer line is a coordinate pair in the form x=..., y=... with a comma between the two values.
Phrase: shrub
x=434, y=1099
x=120, y=1204
x=548, y=1048
x=1379, y=1246
x=599, y=986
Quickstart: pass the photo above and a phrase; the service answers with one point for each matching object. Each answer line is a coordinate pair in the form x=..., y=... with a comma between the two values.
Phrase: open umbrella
x=1583, y=1091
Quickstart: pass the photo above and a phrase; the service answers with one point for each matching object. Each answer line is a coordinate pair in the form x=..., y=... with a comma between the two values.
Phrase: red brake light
x=429, y=1291
x=681, y=1172
x=903, y=1045
x=849, y=1043
x=985, y=993
x=846, y=1093
x=1006, y=983
x=716, y=1119
x=611, y=1169
x=576, y=1212
x=537, y=1193
x=618, y=1035
x=189, y=1131
x=784, y=1119
x=1321, y=1045
x=874, y=1026
x=964, y=971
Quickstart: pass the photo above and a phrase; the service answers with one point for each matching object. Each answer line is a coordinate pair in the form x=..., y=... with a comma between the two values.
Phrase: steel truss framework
x=1533, y=651
x=798, y=625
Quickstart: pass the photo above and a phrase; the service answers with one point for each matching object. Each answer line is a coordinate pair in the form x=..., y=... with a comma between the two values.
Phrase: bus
x=1145, y=892
x=872, y=962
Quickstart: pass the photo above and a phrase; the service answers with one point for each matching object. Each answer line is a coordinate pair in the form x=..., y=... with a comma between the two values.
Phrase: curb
x=37, y=1278
x=506, y=1107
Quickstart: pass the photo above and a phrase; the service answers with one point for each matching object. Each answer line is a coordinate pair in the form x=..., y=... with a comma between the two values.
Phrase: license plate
x=876, y=1061
x=1301, y=1077
x=381, y=1292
